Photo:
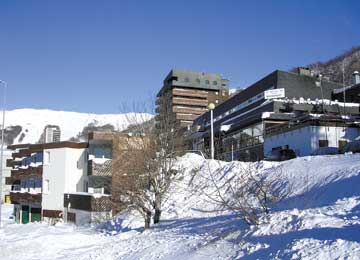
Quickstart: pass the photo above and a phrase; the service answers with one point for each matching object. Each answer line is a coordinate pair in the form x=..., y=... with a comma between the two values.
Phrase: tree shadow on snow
x=320, y=196
x=280, y=242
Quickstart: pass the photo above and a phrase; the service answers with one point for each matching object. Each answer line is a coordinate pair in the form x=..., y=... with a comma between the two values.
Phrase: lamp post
x=4, y=84
x=211, y=107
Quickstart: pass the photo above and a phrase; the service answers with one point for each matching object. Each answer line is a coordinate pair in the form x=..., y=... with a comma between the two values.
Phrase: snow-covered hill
x=27, y=125
x=319, y=220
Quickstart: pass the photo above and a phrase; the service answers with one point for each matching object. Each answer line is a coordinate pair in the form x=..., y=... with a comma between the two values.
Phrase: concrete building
x=51, y=134
x=279, y=98
x=312, y=135
x=186, y=94
x=6, y=171
x=40, y=176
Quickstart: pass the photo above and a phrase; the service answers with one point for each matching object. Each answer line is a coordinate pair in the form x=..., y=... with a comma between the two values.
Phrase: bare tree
x=150, y=164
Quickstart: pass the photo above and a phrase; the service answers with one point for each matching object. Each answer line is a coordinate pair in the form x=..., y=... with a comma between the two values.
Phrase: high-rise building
x=186, y=94
x=50, y=134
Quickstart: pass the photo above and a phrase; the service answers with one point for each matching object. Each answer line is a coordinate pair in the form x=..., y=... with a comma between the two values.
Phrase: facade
x=41, y=174
x=106, y=174
x=51, y=134
x=6, y=171
x=311, y=136
x=241, y=121
x=186, y=94
x=75, y=182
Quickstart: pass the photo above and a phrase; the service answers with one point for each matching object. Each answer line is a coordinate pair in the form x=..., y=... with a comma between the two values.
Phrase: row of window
x=242, y=105
x=35, y=158
x=207, y=82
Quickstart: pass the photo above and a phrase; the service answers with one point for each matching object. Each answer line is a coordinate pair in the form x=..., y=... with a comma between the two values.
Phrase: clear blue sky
x=94, y=56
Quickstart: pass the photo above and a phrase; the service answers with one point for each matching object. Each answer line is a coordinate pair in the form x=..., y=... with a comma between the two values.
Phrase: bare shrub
x=246, y=189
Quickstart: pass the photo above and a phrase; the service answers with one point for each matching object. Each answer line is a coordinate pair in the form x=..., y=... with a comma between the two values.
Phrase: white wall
x=5, y=173
x=65, y=171
x=83, y=217
x=305, y=141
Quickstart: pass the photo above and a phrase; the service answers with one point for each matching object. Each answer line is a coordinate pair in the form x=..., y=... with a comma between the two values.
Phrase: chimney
x=356, y=77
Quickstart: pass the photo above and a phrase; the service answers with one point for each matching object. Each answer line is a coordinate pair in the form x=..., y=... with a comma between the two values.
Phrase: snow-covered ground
x=320, y=220
x=33, y=122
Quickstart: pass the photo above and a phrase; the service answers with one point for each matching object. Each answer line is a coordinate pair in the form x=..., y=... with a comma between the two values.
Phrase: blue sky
x=96, y=56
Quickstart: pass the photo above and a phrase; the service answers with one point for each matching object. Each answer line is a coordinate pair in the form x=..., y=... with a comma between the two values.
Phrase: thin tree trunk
x=157, y=207
x=147, y=220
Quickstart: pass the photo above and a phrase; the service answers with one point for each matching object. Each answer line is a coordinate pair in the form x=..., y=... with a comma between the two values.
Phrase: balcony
x=97, y=168
x=29, y=172
x=188, y=117
x=25, y=197
x=190, y=102
x=12, y=163
x=190, y=93
x=88, y=202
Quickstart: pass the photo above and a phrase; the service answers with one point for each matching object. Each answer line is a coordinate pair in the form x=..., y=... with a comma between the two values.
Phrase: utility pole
x=211, y=108
x=2, y=147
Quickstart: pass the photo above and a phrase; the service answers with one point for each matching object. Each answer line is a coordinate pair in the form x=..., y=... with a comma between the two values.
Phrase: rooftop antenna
x=343, y=81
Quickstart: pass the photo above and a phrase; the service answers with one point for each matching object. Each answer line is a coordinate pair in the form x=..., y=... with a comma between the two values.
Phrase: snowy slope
x=33, y=122
x=320, y=220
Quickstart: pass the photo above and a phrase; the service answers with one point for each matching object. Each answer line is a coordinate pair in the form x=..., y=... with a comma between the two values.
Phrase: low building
x=311, y=135
x=75, y=182
x=241, y=121
x=41, y=174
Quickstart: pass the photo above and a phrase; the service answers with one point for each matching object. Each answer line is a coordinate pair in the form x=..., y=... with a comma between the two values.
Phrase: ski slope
x=33, y=122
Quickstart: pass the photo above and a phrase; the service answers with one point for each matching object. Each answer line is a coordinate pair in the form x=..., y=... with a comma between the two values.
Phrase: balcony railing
x=29, y=172
x=88, y=202
x=100, y=169
x=25, y=197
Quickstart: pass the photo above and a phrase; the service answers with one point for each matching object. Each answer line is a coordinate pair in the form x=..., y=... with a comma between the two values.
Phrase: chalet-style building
x=279, y=100
x=186, y=94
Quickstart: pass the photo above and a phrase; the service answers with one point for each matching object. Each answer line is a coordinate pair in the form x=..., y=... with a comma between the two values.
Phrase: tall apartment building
x=51, y=134
x=186, y=94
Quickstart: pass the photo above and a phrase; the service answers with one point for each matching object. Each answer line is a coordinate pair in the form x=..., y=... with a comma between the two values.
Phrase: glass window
x=207, y=82
x=186, y=79
x=198, y=81
x=214, y=82
x=46, y=186
x=47, y=157
x=102, y=152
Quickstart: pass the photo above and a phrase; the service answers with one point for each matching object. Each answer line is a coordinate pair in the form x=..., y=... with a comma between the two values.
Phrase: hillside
x=319, y=220
x=27, y=125
x=333, y=68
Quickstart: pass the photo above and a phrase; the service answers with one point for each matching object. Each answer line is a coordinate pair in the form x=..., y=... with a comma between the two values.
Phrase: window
x=342, y=143
x=47, y=157
x=323, y=143
x=46, y=186
x=223, y=92
x=207, y=82
x=216, y=101
x=198, y=81
x=186, y=79
x=214, y=83
x=216, y=93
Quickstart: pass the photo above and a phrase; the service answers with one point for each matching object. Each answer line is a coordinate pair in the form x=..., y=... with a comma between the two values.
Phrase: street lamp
x=4, y=84
x=211, y=107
